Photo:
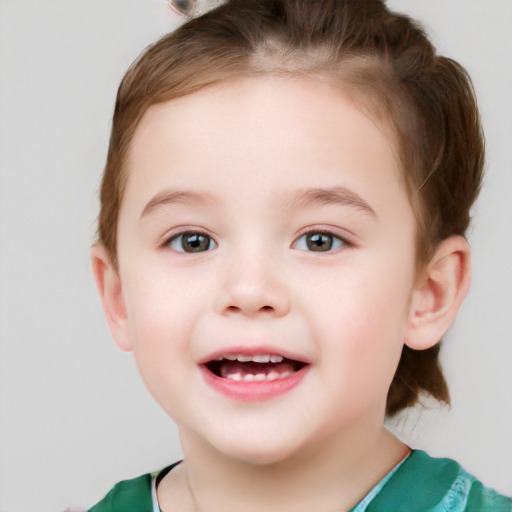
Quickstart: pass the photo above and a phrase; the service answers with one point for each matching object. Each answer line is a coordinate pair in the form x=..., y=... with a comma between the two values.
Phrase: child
x=281, y=245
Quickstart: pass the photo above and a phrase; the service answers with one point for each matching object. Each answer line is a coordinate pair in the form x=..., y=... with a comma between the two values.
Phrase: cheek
x=161, y=313
x=160, y=330
x=367, y=327
x=160, y=301
x=362, y=319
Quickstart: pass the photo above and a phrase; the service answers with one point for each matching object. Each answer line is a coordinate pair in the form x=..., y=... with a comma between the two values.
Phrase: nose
x=251, y=286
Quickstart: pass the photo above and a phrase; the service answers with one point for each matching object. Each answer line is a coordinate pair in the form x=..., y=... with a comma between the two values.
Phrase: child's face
x=299, y=242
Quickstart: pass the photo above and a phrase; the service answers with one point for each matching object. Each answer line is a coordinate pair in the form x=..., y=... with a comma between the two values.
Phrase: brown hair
x=389, y=66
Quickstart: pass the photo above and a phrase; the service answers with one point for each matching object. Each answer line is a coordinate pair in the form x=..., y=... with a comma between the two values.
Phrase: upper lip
x=248, y=353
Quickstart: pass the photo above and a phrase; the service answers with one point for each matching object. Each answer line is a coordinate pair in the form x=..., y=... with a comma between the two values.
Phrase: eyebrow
x=301, y=199
x=335, y=195
x=169, y=197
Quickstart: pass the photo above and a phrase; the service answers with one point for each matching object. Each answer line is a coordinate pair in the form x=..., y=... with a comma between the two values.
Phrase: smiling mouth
x=258, y=368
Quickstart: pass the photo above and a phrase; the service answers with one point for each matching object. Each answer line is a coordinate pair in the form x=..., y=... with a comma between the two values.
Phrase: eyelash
x=176, y=241
x=336, y=242
x=203, y=242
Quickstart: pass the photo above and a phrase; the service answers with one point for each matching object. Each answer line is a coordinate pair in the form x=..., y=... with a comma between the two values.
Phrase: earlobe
x=439, y=293
x=109, y=287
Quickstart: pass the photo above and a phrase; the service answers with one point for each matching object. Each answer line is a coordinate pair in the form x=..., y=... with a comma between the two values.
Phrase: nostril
x=252, y=299
x=236, y=309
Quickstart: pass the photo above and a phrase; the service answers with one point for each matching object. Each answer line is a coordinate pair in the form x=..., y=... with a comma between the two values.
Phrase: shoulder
x=428, y=484
x=481, y=498
x=134, y=495
x=128, y=496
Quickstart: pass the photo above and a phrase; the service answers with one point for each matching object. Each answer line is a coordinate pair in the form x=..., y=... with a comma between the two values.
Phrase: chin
x=259, y=452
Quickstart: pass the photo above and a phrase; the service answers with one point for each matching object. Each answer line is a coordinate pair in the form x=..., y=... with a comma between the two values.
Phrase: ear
x=109, y=287
x=438, y=294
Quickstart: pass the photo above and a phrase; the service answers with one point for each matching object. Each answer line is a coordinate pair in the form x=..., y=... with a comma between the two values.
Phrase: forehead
x=269, y=132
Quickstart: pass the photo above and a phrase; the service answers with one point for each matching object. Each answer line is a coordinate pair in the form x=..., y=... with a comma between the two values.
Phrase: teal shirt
x=419, y=484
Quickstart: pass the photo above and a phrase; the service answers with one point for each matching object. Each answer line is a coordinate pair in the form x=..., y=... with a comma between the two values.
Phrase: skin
x=238, y=162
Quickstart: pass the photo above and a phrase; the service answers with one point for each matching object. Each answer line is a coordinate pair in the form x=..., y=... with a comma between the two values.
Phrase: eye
x=318, y=241
x=191, y=241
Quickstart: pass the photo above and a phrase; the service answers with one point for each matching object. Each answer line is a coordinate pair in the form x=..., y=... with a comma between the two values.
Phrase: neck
x=332, y=477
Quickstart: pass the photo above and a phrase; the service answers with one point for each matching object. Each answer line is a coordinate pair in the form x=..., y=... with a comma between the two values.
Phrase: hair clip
x=189, y=8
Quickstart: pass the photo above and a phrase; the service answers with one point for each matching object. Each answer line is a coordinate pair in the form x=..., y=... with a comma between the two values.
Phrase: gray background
x=74, y=417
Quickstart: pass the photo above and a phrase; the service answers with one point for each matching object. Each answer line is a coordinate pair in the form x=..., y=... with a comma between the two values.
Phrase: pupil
x=195, y=243
x=319, y=242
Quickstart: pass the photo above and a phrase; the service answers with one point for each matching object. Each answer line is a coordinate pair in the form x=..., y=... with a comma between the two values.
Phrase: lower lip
x=253, y=391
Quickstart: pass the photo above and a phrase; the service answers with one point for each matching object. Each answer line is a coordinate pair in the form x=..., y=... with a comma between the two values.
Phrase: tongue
x=231, y=367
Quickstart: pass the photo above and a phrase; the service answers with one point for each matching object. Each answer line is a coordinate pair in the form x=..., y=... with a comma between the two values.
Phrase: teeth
x=259, y=377
x=260, y=358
